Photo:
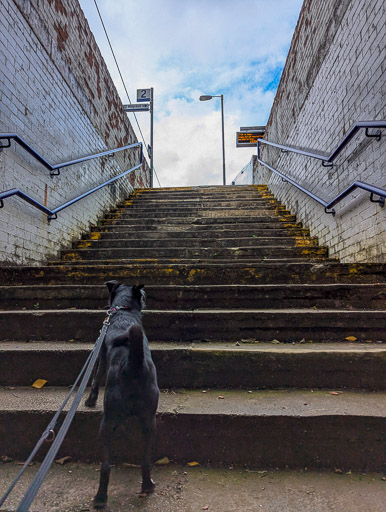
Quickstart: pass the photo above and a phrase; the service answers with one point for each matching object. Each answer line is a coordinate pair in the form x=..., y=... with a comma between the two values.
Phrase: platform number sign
x=143, y=94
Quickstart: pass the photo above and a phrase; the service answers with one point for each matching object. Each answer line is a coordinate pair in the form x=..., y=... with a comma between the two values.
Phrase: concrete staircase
x=268, y=353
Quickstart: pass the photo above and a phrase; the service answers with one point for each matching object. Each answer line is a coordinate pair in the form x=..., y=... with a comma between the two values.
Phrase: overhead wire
x=123, y=82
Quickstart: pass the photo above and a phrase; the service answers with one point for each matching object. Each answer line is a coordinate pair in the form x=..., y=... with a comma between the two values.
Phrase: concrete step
x=203, y=325
x=200, y=203
x=185, y=261
x=295, y=428
x=198, y=230
x=195, y=220
x=252, y=241
x=216, y=273
x=209, y=233
x=180, y=488
x=203, y=191
x=212, y=365
x=318, y=296
x=187, y=211
x=180, y=253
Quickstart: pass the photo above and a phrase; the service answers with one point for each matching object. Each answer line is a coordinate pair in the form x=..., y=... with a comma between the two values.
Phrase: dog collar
x=117, y=308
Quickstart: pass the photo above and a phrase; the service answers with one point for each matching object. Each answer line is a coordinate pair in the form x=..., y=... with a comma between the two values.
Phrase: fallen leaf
x=128, y=465
x=205, y=508
x=338, y=471
x=334, y=393
x=4, y=459
x=351, y=338
x=163, y=461
x=193, y=463
x=71, y=341
x=220, y=397
x=275, y=341
x=63, y=460
x=39, y=383
x=142, y=494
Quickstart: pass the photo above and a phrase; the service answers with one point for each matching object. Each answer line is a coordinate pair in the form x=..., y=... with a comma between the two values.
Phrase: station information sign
x=249, y=137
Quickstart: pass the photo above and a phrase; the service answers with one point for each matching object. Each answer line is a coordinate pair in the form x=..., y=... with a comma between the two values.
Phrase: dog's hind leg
x=148, y=424
x=106, y=432
x=99, y=372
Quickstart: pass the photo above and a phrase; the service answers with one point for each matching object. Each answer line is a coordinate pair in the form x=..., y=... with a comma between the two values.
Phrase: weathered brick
x=63, y=109
x=337, y=56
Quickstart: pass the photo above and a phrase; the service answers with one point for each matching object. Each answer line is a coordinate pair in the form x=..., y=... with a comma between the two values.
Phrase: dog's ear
x=137, y=291
x=112, y=285
x=139, y=294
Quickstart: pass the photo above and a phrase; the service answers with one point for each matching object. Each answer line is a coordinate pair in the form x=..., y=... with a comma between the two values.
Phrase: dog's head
x=131, y=297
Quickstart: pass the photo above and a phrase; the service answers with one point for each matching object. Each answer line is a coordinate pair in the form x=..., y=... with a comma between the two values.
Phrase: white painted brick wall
x=333, y=77
x=56, y=93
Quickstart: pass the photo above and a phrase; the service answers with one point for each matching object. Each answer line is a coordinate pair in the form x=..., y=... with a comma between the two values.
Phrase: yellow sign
x=248, y=139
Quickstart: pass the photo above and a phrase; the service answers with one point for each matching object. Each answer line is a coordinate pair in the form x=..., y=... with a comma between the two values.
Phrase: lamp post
x=206, y=98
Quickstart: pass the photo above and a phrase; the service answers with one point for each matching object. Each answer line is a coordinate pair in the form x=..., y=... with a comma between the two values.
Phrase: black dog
x=131, y=383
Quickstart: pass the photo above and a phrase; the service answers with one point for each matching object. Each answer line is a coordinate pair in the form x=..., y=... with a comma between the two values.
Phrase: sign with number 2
x=143, y=94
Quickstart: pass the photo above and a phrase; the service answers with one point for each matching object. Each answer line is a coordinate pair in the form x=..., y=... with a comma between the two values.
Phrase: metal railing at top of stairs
x=52, y=214
x=327, y=162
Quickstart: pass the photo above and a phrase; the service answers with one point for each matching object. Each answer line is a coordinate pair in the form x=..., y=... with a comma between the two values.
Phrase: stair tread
x=262, y=347
x=261, y=403
x=221, y=311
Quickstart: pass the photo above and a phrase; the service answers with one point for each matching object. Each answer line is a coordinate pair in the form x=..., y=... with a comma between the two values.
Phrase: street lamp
x=206, y=98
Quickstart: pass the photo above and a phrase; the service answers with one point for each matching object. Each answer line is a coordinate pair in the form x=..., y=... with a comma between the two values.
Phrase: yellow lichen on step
x=304, y=242
x=72, y=256
x=95, y=235
x=355, y=269
x=83, y=244
x=316, y=251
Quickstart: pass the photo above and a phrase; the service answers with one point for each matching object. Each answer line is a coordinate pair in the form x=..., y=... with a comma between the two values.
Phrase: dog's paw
x=99, y=502
x=147, y=487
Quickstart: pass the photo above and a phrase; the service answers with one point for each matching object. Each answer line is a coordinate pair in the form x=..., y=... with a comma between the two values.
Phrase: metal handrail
x=54, y=169
x=52, y=214
x=326, y=161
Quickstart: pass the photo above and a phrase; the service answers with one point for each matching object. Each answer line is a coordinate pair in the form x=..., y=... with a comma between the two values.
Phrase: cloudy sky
x=186, y=48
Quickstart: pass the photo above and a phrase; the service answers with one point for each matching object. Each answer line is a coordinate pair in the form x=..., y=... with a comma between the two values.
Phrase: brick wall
x=332, y=79
x=57, y=94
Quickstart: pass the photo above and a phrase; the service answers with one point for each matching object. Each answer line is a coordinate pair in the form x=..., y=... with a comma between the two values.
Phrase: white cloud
x=187, y=48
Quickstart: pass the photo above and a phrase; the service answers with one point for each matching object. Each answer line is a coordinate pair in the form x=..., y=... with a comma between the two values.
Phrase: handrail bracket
x=331, y=212
x=55, y=172
x=380, y=200
x=377, y=135
x=2, y=146
x=52, y=217
x=327, y=164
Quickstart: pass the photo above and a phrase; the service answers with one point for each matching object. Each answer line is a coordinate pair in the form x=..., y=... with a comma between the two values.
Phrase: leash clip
x=51, y=436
